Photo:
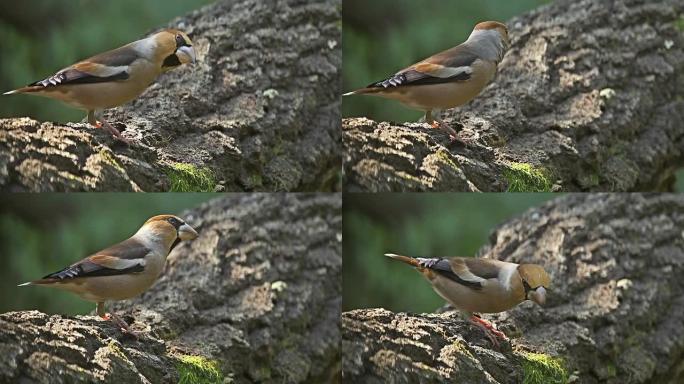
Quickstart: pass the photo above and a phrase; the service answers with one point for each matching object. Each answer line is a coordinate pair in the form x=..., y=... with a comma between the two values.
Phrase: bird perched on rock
x=115, y=77
x=478, y=285
x=124, y=270
x=449, y=78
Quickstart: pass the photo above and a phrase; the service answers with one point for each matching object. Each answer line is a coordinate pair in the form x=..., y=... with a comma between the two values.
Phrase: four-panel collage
x=342, y=191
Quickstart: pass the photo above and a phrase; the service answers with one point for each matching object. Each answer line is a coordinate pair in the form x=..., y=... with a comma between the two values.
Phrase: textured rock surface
x=615, y=312
x=590, y=94
x=259, y=292
x=260, y=109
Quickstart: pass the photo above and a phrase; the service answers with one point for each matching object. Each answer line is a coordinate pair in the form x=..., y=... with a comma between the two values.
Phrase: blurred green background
x=40, y=37
x=43, y=233
x=418, y=224
x=380, y=37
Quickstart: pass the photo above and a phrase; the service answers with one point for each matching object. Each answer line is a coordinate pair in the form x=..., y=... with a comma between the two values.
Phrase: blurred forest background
x=40, y=37
x=43, y=233
x=380, y=37
x=420, y=225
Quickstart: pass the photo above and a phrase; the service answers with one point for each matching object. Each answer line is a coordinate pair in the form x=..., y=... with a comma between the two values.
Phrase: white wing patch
x=125, y=263
x=469, y=276
x=506, y=274
x=447, y=72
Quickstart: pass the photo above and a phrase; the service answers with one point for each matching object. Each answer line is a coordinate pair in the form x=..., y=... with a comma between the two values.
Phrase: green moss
x=680, y=23
x=539, y=368
x=108, y=157
x=198, y=370
x=189, y=178
x=444, y=156
x=524, y=177
x=115, y=349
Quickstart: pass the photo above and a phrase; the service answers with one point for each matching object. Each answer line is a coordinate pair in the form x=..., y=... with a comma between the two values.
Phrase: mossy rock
x=190, y=178
x=523, y=177
x=198, y=370
x=540, y=368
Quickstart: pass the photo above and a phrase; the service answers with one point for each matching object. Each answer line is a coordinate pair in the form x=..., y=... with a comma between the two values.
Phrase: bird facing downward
x=478, y=285
x=124, y=270
x=448, y=79
x=115, y=77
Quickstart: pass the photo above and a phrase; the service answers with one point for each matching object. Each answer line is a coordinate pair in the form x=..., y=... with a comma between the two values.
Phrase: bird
x=115, y=77
x=447, y=79
x=479, y=285
x=124, y=270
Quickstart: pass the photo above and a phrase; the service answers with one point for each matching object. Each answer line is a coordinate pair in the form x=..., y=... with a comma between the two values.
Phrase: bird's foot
x=492, y=333
x=453, y=135
x=121, y=324
x=110, y=128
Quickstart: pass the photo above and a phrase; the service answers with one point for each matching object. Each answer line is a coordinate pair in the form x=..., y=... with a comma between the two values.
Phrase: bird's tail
x=27, y=89
x=363, y=91
x=39, y=282
x=412, y=261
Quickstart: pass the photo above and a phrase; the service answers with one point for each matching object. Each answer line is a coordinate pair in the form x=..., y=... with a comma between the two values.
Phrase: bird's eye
x=181, y=42
x=175, y=222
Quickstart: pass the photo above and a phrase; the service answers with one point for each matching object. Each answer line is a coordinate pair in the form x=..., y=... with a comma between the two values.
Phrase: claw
x=492, y=333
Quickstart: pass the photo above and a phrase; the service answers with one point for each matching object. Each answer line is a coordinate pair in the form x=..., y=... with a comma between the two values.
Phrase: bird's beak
x=186, y=232
x=538, y=295
x=186, y=54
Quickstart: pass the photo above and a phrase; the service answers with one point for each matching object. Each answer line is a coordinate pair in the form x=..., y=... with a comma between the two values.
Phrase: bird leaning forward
x=124, y=270
x=448, y=79
x=478, y=285
x=115, y=77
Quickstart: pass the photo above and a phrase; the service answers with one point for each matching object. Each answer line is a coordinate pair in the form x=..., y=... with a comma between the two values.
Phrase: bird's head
x=535, y=281
x=174, y=48
x=168, y=229
x=492, y=38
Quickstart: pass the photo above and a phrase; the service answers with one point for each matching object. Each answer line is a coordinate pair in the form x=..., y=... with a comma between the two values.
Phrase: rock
x=615, y=311
x=589, y=98
x=256, y=297
x=258, y=111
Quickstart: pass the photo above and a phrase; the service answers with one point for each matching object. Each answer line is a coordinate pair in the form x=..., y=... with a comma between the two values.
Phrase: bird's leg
x=115, y=319
x=437, y=122
x=92, y=119
x=114, y=132
x=489, y=330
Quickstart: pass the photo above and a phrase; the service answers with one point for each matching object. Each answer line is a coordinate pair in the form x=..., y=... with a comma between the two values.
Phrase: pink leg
x=110, y=128
x=492, y=333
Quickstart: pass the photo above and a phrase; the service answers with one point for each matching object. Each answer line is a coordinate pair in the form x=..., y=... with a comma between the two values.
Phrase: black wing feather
x=89, y=269
x=442, y=267
x=74, y=76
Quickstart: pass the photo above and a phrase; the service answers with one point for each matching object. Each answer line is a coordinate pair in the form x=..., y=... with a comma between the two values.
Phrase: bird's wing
x=453, y=269
x=123, y=258
x=108, y=66
x=452, y=65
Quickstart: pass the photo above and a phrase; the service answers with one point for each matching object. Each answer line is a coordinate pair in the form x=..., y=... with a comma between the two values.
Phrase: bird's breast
x=491, y=298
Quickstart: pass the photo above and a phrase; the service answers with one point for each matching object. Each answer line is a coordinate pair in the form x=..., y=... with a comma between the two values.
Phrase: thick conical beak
x=186, y=54
x=186, y=232
x=538, y=295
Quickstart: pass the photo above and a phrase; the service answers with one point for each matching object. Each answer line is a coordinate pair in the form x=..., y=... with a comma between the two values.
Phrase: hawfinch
x=115, y=77
x=124, y=270
x=478, y=285
x=447, y=79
